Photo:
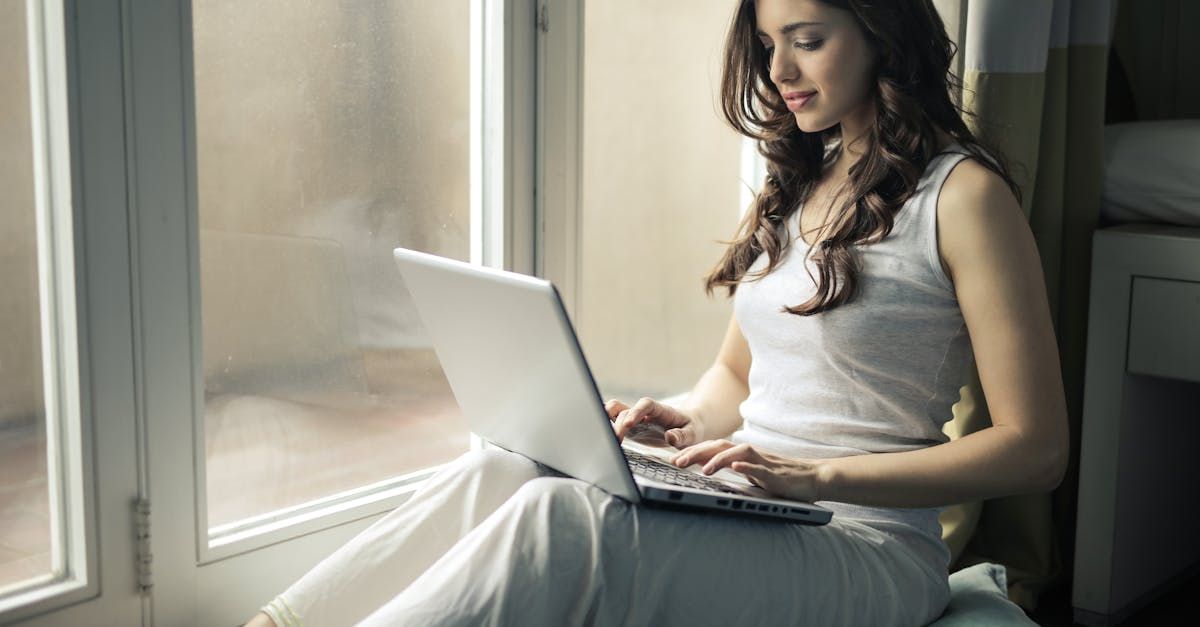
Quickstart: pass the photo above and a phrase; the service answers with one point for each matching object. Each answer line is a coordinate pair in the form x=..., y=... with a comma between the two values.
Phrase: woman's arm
x=993, y=260
x=993, y=462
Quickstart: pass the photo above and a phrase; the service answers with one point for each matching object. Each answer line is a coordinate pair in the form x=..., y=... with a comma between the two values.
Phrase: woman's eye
x=809, y=45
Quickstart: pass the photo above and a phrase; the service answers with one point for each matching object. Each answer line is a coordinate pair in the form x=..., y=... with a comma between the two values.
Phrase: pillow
x=979, y=598
x=1151, y=173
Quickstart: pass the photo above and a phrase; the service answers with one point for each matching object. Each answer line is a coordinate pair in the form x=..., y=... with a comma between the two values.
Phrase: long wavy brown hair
x=913, y=99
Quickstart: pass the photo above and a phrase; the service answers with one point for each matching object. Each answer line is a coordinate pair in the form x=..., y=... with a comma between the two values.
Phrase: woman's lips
x=796, y=100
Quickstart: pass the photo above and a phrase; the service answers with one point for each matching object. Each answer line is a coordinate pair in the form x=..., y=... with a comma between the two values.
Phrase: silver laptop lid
x=512, y=360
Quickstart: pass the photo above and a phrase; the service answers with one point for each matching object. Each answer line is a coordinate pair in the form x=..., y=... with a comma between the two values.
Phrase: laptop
x=515, y=366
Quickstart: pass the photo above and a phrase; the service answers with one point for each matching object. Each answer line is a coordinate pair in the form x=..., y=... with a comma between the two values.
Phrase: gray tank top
x=877, y=374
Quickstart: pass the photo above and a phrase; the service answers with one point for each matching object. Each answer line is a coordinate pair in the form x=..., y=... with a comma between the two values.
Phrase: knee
x=499, y=462
x=564, y=518
x=562, y=492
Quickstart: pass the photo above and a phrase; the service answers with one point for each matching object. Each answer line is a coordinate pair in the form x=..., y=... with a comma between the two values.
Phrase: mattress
x=1151, y=173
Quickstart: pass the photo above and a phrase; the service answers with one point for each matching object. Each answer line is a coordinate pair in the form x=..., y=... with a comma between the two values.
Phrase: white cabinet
x=1139, y=472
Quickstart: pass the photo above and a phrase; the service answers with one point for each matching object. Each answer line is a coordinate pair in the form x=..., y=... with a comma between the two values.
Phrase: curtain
x=1034, y=76
x=1156, y=59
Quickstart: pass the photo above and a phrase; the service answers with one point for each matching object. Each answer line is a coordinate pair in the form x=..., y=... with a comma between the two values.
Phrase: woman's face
x=820, y=63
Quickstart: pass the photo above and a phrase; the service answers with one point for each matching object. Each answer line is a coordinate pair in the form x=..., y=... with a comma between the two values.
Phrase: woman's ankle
x=260, y=620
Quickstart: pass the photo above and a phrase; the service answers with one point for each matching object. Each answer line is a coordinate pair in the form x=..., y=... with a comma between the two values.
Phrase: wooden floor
x=24, y=502
x=267, y=454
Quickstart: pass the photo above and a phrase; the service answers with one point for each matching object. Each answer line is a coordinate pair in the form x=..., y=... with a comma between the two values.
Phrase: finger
x=740, y=452
x=627, y=419
x=688, y=454
x=759, y=475
x=619, y=423
x=748, y=453
x=700, y=453
x=614, y=407
x=638, y=413
x=681, y=437
x=645, y=404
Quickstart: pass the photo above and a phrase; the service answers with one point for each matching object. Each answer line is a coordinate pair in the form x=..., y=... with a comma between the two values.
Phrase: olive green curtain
x=1034, y=76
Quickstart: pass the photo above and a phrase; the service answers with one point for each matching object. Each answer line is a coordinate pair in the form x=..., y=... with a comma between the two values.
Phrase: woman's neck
x=849, y=153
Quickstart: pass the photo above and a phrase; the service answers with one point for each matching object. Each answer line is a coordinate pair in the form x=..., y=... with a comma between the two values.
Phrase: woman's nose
x=782, y=69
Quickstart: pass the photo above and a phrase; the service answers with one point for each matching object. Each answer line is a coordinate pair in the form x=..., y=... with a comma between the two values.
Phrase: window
x=261, y=160
x=327, y=134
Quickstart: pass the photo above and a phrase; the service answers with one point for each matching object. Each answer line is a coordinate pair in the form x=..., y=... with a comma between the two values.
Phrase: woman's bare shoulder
x=975, y=204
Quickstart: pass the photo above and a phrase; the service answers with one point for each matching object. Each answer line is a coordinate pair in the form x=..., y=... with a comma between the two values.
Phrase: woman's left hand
x=781, y=476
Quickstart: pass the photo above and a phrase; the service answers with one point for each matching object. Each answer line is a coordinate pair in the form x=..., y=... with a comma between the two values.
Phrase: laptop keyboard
x=655, y=469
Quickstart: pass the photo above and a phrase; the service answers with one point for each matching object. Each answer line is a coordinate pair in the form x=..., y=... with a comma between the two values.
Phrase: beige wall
x=660, y=186
x=20, y=350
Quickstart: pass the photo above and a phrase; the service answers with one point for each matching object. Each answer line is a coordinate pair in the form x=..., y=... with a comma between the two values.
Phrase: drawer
x=1164, y=328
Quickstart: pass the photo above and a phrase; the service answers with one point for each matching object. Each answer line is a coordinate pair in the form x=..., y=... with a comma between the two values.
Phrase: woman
x=837, y=372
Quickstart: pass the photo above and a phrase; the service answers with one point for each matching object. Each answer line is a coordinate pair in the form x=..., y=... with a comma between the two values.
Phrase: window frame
x=559, y=145
x=164, y=222
x=72, y=552
x=83, y=245
x=502, y=235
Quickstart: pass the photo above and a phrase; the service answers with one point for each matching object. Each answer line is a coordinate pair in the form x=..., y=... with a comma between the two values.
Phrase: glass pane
x=24, y=492
x=660, y=187
x=328, y=133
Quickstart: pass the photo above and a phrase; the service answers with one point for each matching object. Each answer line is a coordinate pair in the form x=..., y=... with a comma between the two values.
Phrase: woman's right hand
x=680, y=429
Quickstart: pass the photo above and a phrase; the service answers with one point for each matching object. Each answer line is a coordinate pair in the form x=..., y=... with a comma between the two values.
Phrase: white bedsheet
x=1151, y=173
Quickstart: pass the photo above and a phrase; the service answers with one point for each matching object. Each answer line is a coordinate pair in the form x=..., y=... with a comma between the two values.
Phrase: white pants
x=492, y=539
